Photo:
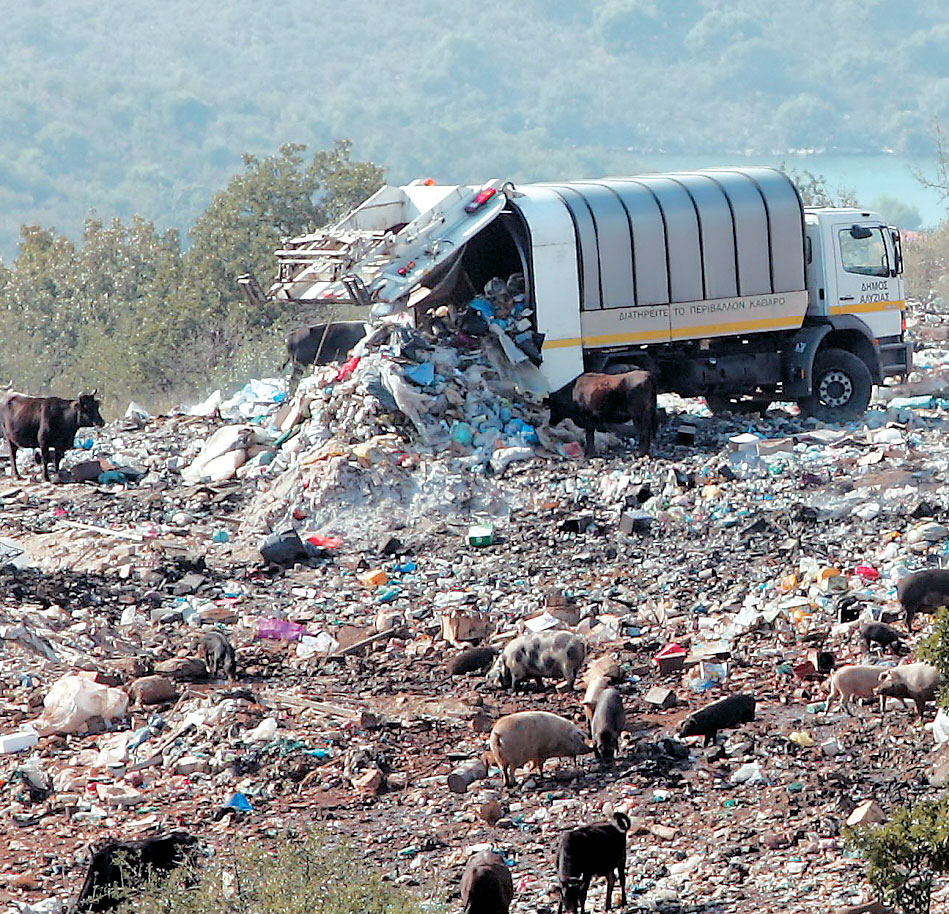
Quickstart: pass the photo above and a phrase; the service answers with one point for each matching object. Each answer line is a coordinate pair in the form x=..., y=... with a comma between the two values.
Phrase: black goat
x=588, y=851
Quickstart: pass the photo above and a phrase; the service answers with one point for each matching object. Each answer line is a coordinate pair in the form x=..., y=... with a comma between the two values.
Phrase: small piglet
x=719, y=715
x=854, y=681
x=609, y=720
x=920, y=682
x=486, y=885
x=533, y=736
x=923, y=591
x=554, y=655
x=218, y=654
x=884, y=635
x=588, y=851
x=470, y=660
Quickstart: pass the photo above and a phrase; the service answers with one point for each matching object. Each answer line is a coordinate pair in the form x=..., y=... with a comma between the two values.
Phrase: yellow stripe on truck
x=700, y=330
x=693, y=330
x=867, y=307
x=644, y=336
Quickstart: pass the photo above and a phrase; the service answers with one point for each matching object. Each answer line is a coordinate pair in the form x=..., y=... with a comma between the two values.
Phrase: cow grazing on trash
x=596, y=400
x=588, y=851
x=119, y=867
x=47, y=423
x=320, y=345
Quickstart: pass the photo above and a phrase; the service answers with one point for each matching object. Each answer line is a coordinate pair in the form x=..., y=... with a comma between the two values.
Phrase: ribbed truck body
x=718, y=280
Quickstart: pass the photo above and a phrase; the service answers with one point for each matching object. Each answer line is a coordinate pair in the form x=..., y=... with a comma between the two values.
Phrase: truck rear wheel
x=841, y=387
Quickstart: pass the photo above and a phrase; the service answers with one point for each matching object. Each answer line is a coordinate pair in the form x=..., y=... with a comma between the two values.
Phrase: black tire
x=722, y=403
x=841, y=387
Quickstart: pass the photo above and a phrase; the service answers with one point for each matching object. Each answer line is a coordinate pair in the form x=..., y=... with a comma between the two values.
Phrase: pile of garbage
x=419, y=423
x=740, y=558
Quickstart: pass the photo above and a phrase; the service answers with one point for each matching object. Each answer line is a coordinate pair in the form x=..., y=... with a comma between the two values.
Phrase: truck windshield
x=864, y=255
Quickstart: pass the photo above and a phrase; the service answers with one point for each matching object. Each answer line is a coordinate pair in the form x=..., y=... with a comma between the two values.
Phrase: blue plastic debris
x=239, y=802
x=423, y=374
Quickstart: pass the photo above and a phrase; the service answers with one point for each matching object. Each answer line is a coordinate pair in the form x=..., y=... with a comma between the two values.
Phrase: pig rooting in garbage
x=471, y=660
x=923, y=591
x=719, y=715
x=592, y=695
x=884, y=635
x=588, y=851
x=919, y=682
x=854, y=681
x=609, y=721
x=552, y=655
x=533, y=736
x=218, y=655
x=486, y=885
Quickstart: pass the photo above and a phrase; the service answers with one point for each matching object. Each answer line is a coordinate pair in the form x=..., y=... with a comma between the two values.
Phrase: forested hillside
x=147, y=108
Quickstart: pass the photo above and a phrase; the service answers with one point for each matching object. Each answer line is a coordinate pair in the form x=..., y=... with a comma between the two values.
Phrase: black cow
x=320, y=345
x=118, y=867
x=596, y=400
x=47, y=423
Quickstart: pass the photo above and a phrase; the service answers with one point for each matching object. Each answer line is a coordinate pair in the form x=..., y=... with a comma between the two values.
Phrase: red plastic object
x=324, y=541
x=867, y=572
x=347, y=368
x=671, y=658
x=480, y=199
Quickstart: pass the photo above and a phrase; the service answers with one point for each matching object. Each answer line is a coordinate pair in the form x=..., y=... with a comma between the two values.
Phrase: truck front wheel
x=841, y=387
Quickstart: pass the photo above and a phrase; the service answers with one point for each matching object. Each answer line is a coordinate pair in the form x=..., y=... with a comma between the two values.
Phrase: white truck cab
x=719, y=280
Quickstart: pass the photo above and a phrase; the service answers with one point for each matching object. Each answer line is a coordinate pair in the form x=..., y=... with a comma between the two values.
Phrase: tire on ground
x=841, y=387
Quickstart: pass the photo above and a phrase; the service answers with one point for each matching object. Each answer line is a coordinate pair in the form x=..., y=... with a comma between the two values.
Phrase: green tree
x=905, y=855
x=39, y=323
x=934, y=648
x=815, y=191
x=126, y=310
x=275, y=197
x=896, y=212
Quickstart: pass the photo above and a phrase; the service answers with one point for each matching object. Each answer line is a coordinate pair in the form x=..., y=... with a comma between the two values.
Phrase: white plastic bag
x=73, y=700
x=941, y=727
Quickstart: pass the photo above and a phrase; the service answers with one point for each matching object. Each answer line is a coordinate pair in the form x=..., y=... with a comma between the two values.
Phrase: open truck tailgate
x=387, y=246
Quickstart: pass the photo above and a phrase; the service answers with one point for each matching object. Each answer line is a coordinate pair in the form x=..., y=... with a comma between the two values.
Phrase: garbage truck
x=720, y=281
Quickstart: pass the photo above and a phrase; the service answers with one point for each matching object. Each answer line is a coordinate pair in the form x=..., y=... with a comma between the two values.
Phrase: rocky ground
x=740, y=539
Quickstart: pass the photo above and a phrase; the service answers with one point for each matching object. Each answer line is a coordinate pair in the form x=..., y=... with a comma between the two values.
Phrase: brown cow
x=595, y=400
x=47, y=423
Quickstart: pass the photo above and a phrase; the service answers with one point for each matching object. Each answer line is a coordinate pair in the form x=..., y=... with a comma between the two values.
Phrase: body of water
x=867, y=176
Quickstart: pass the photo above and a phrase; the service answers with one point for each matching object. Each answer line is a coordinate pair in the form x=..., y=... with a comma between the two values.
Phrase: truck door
x=867, y=283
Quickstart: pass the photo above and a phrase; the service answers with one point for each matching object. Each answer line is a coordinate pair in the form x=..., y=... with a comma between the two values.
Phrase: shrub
x=905, y=855
x=934, y=649
x=310, y=873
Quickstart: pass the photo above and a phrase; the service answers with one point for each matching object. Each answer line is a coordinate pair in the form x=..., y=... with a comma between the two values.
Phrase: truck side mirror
x=897, y=252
